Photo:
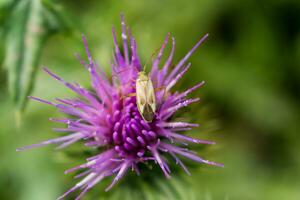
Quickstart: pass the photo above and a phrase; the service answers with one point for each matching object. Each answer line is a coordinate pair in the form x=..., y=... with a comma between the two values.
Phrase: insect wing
x=141, y=94
x=151, y=95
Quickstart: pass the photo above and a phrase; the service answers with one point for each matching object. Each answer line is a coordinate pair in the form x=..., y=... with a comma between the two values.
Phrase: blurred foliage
x=250, y=104
x=26, y=25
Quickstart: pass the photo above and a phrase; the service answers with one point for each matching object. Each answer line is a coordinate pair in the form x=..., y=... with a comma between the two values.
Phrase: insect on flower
x=117, y=127
x=145, y=94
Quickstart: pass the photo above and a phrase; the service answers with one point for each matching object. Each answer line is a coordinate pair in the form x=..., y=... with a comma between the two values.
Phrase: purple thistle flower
x=108, y=116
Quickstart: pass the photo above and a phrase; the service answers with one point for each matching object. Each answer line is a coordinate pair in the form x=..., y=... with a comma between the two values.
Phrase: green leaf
x=29, y=24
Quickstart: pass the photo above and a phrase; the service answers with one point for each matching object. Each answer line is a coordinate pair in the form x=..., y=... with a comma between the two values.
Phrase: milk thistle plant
x=110, y=119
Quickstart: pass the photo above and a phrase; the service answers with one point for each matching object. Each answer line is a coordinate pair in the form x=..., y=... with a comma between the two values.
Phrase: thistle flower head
x=108, y=116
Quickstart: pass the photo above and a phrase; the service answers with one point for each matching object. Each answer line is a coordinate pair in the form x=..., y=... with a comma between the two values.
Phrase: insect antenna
x=116, y=73
x=150, y=59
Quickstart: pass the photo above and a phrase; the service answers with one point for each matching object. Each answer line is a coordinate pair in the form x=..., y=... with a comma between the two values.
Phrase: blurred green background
x=250, y=104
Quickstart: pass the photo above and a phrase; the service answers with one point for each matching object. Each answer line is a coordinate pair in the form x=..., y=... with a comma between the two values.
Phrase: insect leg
x=158, y=89
x=128, y=95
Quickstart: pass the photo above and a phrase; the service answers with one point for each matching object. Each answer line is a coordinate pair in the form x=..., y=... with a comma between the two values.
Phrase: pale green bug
x=145, y=96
